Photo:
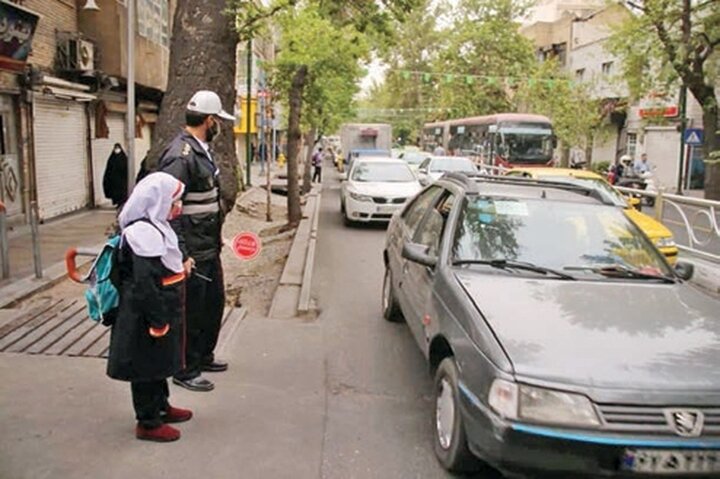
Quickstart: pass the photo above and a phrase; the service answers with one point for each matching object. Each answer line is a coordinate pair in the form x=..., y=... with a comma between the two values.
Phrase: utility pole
x=131, y=94
x=683, y=125
x=248, y=114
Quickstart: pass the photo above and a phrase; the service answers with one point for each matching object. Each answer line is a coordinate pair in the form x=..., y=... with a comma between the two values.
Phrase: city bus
x=504, y=139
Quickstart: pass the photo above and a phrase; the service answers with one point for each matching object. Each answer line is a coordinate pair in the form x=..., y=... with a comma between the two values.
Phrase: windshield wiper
x=620, y=271
x=505, y=264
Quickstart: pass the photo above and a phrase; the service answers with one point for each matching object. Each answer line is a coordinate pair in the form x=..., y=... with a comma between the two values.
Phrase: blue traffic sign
x=694, y=136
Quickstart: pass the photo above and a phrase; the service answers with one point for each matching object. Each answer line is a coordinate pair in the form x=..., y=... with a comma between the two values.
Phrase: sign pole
x=683, y=124
x=248, y=115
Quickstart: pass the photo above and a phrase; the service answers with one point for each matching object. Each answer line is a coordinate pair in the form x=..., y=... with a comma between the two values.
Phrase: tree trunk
x=293, y=146
x=307, y=171
x=565, y=156
x=711, y=144
x=202, y=57
x=589, y=141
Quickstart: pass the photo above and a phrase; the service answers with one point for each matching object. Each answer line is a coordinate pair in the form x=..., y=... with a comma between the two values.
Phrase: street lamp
x=130, y=133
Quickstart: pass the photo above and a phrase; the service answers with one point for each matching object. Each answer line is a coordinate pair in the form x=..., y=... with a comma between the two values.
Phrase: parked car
x=435, y=166
x=658, y=233
x=559, y=338
x=414, y=158
x=375, y=188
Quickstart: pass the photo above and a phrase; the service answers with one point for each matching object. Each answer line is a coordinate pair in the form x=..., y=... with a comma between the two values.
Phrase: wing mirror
x=417, y=253
x=684, y=270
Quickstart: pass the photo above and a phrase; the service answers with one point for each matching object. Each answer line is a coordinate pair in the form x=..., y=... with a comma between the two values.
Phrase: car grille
x=384, y=201
x=652, y=419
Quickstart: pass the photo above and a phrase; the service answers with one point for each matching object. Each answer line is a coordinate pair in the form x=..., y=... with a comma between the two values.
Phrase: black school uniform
x=150, y=296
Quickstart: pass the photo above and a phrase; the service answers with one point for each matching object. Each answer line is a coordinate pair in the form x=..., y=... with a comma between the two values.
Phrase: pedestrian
x=317, y=165
x=199, y=229
x=146, y=338
x=641, y=167
x=115, y=178
x=439, y=151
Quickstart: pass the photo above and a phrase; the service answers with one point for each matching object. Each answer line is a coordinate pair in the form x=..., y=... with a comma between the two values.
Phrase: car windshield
x=451, y=164
x=564, y=236
x=390, y=172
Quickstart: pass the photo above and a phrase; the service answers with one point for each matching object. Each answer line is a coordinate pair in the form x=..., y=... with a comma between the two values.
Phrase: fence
x=693, y=221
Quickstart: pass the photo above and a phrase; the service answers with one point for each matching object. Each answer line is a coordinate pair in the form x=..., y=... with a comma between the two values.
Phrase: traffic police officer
x=188, y=158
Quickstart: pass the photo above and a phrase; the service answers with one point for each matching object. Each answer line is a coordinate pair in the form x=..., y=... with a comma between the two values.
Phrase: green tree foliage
x=670, y=42
x=576, y=115
x=453, y=60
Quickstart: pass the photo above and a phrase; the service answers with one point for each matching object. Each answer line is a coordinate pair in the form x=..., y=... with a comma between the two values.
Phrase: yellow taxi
x=658, y=233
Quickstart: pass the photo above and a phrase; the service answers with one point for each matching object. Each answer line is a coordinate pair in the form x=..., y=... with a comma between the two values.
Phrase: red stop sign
x=246, y=245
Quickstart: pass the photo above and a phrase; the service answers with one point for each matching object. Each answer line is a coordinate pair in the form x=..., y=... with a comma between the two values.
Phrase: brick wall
x=56, y=15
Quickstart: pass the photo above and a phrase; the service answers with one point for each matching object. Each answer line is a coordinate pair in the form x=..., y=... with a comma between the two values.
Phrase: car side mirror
x=417, y=253
x=684, y=270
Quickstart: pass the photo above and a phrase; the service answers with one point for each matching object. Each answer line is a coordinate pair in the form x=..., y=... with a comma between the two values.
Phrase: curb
x=293, y=292
x=306, y=287
x=23, y=288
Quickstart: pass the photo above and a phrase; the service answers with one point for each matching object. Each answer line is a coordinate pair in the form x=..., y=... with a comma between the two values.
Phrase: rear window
x=382, y=172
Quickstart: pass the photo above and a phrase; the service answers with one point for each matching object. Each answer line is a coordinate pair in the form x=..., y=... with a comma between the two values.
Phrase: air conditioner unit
x=75, y=54
x=83, y=52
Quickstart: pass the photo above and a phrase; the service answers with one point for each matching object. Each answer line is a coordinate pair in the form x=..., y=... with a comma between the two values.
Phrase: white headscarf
x=152, y=200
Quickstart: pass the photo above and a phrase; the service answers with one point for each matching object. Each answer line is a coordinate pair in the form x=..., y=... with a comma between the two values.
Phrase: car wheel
x=650, y=202
x=451, y=445
x=390, y=306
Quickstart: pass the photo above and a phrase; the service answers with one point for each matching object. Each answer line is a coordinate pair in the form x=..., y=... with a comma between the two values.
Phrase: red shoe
x=163, y=433
x=176, y=414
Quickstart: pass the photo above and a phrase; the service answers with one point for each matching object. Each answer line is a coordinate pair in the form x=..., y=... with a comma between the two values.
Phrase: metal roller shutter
x=101, y=149
x=60, y=156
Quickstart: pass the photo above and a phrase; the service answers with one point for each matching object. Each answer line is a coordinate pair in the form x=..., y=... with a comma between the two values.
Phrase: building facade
x=62, y=98
x=578, y=39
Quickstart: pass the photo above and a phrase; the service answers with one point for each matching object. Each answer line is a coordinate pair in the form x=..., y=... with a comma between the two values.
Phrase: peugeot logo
x=685, y=422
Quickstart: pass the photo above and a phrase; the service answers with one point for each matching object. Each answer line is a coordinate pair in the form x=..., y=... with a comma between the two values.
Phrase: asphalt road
x=379, y=416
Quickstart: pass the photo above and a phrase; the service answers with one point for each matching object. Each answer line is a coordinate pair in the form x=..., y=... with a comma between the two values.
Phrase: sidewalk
x=62, y=417
x=86, y=228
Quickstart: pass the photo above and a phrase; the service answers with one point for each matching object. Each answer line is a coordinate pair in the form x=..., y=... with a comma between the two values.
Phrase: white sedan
x=434, y=167
x=376, y=188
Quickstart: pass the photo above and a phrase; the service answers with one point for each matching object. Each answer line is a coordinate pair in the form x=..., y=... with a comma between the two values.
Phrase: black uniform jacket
x=199, y=227
x=150, y=296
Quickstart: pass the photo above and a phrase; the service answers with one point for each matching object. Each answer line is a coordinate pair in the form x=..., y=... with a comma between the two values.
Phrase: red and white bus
x=504, y=139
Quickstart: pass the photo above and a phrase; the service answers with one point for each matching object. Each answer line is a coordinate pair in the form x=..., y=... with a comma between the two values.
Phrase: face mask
x=212, y=132
x=175, y=210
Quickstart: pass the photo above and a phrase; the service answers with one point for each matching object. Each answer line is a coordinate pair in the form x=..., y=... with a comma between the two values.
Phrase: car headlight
x=521, y=402
x=359, y=197
x=667, y=242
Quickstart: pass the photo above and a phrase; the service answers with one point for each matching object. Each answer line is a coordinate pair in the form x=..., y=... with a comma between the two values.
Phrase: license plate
x=655, y=461
x=386, y=209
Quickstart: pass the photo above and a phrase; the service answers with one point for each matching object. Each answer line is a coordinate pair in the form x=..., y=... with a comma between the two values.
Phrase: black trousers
x=150, y=400
x=317, y=175
x=204, y=306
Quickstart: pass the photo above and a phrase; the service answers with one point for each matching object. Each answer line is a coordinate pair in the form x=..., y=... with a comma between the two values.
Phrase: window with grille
x=153, y=17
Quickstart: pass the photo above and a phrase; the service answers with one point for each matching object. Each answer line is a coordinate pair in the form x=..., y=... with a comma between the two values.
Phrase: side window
x=430, y=233
x=414, y=213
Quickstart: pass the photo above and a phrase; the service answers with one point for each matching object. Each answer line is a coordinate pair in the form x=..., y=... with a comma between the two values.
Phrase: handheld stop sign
x=246, y=245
